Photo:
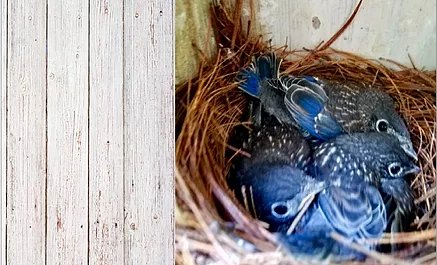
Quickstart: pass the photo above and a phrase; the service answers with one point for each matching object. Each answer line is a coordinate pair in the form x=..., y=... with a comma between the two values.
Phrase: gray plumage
x=373, y=157
x=278, y=144
x=320, y=108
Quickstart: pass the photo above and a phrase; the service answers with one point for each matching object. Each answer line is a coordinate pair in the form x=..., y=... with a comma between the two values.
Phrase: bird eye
x=381, y=125
x=394, y=169
x=280, y=210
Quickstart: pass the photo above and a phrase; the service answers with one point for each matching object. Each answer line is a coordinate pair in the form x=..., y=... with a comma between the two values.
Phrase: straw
x=210, y=107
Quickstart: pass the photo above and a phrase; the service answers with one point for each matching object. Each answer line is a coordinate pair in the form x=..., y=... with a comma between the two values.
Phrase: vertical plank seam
x=88, y=171
x=5, y=142
x=47, y=133
x=173, y=114
x=124, y=131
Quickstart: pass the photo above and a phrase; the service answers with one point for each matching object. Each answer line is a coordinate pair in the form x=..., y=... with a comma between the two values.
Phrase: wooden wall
x=87, y=132
x=391, y=29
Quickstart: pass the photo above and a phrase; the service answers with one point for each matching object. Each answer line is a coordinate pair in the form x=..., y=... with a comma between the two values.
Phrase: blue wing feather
x=308, y=82
x=345, y=213
x=250, y=82
x=357, y=212
x=311, y=79
x=307, y=102
x=327, y=126
x=307, y=106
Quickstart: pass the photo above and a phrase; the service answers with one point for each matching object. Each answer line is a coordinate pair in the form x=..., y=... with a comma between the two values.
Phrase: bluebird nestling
x=273, y=192
x=276, y=193
x=323, y=109
x=355, y=211
x=373, y=157
x=275, y=152
x=273, y=185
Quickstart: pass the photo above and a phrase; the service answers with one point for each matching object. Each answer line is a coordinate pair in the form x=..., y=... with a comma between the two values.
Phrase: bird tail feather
x=263, y=67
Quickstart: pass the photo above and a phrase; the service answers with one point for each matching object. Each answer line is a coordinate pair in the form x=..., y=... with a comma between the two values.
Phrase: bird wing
x=308, y=82
x=355, y=211
x=306, y=102
x=378, y=222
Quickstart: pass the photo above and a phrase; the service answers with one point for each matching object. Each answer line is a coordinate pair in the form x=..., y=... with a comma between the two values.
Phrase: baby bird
x=274, y=186
x=276, y=152
x=320, y=108
x=356, y=211
x=372, y=157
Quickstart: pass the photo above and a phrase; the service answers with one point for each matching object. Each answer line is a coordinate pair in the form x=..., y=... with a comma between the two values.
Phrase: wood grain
x=391, y=29
x=106, y=132
x=149, y=132
x=87, y=132
x=67, y=118
x=26, y=132
x=3, y=176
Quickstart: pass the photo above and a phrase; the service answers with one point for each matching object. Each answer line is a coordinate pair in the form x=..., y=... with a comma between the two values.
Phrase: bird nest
x=210, y=106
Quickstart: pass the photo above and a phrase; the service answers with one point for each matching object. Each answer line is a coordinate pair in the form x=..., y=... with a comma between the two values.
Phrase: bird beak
x=409, y=150
x=414, y=170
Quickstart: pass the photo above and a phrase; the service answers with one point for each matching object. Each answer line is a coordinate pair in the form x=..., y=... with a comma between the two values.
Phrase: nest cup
x=210, y=106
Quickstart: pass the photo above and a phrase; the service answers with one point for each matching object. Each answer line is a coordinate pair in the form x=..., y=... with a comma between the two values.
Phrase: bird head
x=390, y=122
x=385, y=119
x=275, y=193
x=371, y=156
x=394, y=167
x=393, y=161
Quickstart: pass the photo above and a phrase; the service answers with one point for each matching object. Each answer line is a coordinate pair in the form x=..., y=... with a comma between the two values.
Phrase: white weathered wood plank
x=106, y=132
x=391, y=29
x=149, y=132
x=67, y=121
x=3, y=176
x=26, y=132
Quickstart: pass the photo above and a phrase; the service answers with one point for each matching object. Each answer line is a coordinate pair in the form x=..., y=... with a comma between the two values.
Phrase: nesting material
x=210, y=106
